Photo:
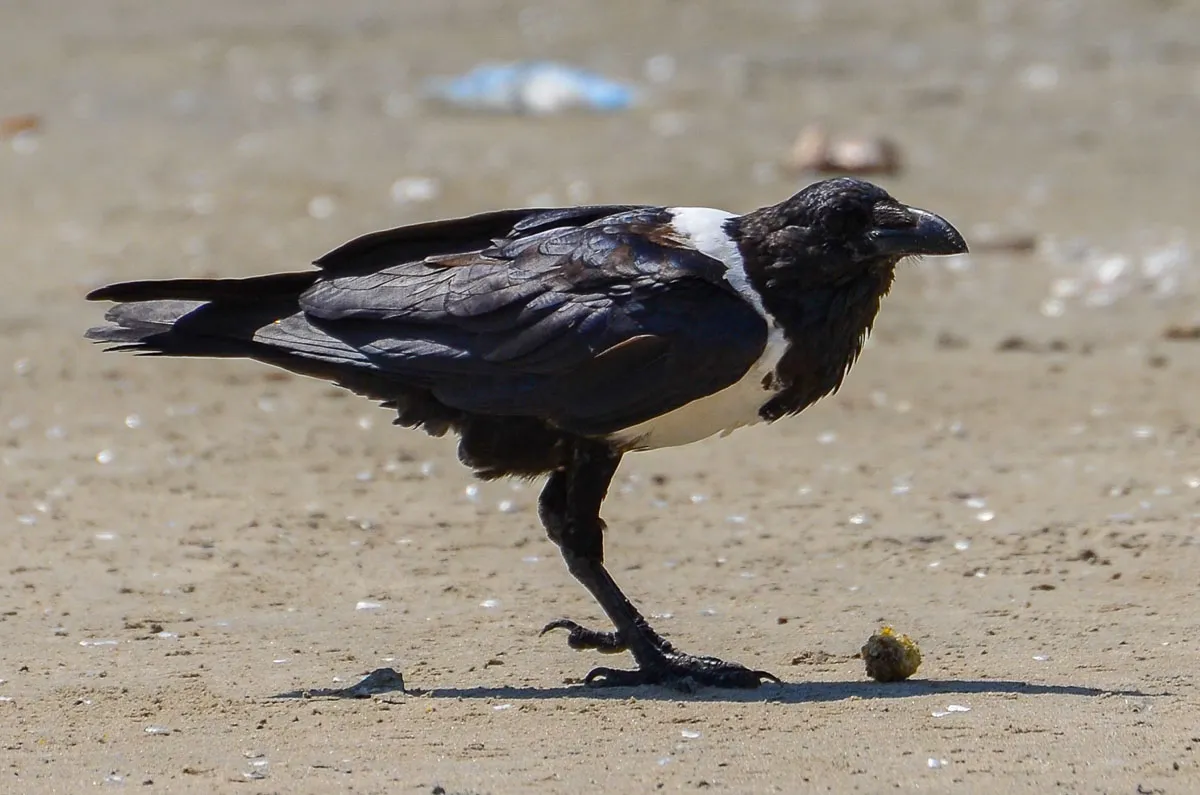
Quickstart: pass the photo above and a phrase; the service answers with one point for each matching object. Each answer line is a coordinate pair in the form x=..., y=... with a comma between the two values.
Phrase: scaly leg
x=570, y=511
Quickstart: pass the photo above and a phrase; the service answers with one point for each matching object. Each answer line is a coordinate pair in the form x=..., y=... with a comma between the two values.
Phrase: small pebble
x=321, y=207
x=25, y=143
x=414, y=190
x=397, y=105
x=1040, y=77
x=950, y=710
x=660, y=68
x=307, y=88
x=203, y=204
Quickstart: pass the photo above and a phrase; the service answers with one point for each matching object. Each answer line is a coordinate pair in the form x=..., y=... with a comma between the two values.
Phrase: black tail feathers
x=137, y=324
x=196, y=317
x=229, y=291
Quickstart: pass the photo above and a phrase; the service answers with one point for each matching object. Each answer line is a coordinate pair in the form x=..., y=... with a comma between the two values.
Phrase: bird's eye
x=892, y=216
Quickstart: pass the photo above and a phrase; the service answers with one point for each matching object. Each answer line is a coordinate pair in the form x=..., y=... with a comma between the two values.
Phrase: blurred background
x=176, y=138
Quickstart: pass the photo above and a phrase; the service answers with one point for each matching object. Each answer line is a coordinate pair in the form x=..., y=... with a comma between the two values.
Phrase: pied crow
x=555, y=341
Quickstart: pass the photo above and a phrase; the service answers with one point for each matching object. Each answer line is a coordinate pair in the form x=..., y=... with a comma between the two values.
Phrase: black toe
x=682, y=672
x=584, y=639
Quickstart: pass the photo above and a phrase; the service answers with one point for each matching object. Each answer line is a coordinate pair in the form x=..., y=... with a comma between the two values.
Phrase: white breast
x=735, y=406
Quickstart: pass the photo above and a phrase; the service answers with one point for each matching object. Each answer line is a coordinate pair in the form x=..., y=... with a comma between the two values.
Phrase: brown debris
x=12, y=126
x=949, y=340
x=816, y=151
x=1182, y=332
x=1021, y=344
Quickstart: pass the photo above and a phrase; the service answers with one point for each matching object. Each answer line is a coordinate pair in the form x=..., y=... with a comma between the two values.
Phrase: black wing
x=456, y=235
x=589, y=320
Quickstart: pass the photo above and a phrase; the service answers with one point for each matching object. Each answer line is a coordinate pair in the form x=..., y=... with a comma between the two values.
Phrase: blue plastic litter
x=534, y=87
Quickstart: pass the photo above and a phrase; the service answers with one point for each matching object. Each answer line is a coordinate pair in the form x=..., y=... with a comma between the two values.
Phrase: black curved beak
x=933, y=235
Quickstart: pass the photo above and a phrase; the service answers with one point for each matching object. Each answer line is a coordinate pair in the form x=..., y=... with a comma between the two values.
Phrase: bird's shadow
x=789, y=692
x=386, y=681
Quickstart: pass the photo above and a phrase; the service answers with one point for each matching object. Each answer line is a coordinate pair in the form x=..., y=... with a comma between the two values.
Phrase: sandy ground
x=1010, y=475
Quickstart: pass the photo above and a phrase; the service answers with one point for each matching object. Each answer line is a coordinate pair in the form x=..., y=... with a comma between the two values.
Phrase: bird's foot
x=661, y=664
x=584, y=639
x=682, y=672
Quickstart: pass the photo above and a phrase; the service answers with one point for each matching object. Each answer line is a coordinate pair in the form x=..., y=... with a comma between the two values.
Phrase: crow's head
x=838, y=230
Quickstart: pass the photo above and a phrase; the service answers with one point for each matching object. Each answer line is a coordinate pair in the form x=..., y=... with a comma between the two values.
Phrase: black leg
x=570, y=511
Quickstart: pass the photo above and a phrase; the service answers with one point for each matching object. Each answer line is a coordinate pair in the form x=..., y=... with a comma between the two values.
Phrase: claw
x=559, y=623
x=584, y=639
x=614, y=677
